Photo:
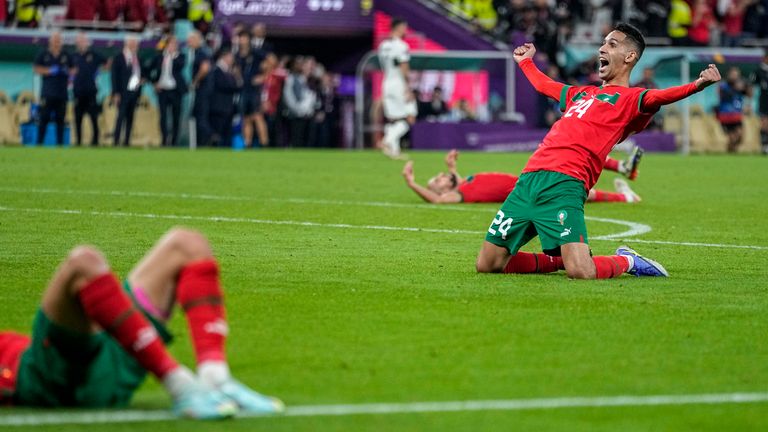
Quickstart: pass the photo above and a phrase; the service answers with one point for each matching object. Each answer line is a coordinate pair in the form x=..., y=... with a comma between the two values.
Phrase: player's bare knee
x=485, y=265
x=87, y=262
x=192, y=244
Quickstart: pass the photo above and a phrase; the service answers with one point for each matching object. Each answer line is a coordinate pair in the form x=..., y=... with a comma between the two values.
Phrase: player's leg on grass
x=84, y=295
x=497, y=259
x=181, y=269
x=623, y=194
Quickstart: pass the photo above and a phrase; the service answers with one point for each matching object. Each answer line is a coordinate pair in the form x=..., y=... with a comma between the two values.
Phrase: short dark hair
x=634, y=36
x=244, y=33
x=397, y=21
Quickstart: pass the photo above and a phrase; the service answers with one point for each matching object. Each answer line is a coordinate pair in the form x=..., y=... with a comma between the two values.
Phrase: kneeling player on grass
x=548, y=199
x=447, y=188
x=93, y=340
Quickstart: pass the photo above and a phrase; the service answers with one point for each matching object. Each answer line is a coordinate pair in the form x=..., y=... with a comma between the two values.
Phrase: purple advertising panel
x=305, y=17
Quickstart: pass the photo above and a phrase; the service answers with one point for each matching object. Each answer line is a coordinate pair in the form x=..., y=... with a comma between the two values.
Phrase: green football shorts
x=544, y=203
x=63, y=368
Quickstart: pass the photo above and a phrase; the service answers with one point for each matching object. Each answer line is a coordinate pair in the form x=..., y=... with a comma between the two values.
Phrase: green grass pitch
x=325, y=314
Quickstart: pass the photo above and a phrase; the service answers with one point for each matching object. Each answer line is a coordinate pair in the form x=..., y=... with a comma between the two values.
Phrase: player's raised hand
x=524, y=51
x=708, y=76
x=408, y=172
x=450, y=159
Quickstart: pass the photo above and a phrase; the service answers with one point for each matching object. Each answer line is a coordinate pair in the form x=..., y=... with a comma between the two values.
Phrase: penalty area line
x=136, y=416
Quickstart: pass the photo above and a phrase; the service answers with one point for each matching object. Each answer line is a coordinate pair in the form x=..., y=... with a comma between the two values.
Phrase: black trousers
x=170, y=104
x=299, y=130
x=125, y=111
x=86, y=104
x=221, y=125
x=57, y=107
x=201, y=112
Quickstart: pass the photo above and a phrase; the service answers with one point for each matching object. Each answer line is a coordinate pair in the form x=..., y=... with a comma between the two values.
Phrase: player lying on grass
x=548, y=199
x=450, y=187
x=93, y=340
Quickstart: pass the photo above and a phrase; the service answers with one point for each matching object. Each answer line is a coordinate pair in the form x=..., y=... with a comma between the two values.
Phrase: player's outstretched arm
x=545, y=85
x=426, y=194
x=450, y=163
x=654, y=99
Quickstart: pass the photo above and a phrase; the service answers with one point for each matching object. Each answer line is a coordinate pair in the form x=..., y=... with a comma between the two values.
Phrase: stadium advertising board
x=306, y=16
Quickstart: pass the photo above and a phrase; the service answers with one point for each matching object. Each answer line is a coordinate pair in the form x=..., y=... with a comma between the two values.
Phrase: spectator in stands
x=702, y=23
x=88, y=63
x=136, y=12
x=299, y=100
x=166, y=73
x=733, y=21
x=81, y=10
x=126, y=88
x=648, y=81
x=259, y=40
x=678, y=22
x=249, y=66
x=272, y=93
x=201, y=85
x=731, y=108
x=55, y=67
x=760, y=78
x=436, y=107
x=226, y=84
x=201, y=15
x=462, y=112
x=27, y=13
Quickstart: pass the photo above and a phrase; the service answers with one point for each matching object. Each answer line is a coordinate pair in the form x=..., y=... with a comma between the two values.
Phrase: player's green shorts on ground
x=63, y=368
x=544, y=203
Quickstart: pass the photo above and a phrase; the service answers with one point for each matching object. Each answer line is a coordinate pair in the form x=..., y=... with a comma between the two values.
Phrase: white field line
x=134, y=416
x=635, y=228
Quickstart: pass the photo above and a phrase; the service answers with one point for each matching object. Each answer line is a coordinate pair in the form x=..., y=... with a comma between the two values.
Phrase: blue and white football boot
x=640, y=265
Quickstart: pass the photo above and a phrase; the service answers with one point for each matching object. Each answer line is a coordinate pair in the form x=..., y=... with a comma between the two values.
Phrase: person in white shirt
x=399, y=103
x=300, y=100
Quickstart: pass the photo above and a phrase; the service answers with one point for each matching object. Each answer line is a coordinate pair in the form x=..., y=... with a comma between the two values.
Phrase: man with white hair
x=399, y=103
x=126, y=88
x=88, y=62
x=55, y=66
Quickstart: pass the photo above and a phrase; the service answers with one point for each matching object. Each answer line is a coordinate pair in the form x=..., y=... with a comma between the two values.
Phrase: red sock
x=609, y=196
x=611, y=164
x=199, y=294
x=524, y=262
x=105, y=303
x=610, y=266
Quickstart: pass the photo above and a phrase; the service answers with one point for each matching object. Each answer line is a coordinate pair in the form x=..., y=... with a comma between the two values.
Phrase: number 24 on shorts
x=502, y=225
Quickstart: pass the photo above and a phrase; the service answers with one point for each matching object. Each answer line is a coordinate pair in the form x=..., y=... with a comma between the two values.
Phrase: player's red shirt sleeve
x=12, y=346
x=652, y=100
x=541, y=82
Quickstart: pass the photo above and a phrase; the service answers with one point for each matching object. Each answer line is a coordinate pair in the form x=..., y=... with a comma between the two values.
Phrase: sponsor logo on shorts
x=566, y=232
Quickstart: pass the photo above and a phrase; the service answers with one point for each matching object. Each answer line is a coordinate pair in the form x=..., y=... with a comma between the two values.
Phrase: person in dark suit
x=55, y=66
x=88, y=62
x=201, y=85
x=166, y=73
x=126, y=88
x=226, y=84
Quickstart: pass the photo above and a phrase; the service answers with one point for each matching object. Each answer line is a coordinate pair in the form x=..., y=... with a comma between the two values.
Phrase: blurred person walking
x=54, y=66
x=88, y=63
x=399, y=103
x=167, y=75
x=271, y=96
x=126, y=89
x=249, y=64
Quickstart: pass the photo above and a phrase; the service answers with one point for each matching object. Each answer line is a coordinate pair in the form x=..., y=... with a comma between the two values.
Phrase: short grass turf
x=326, y=314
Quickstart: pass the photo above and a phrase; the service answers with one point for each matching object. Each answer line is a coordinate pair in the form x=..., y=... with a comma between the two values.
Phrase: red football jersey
x=595, y=120
x=487, y=187
x=12, y=346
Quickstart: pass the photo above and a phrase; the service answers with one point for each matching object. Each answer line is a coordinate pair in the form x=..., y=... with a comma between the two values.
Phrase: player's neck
x=622, y=81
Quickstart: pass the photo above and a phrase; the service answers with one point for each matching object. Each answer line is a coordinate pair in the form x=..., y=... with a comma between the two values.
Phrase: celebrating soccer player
x=493, y=187
x=93, y=340
x=548, y=199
